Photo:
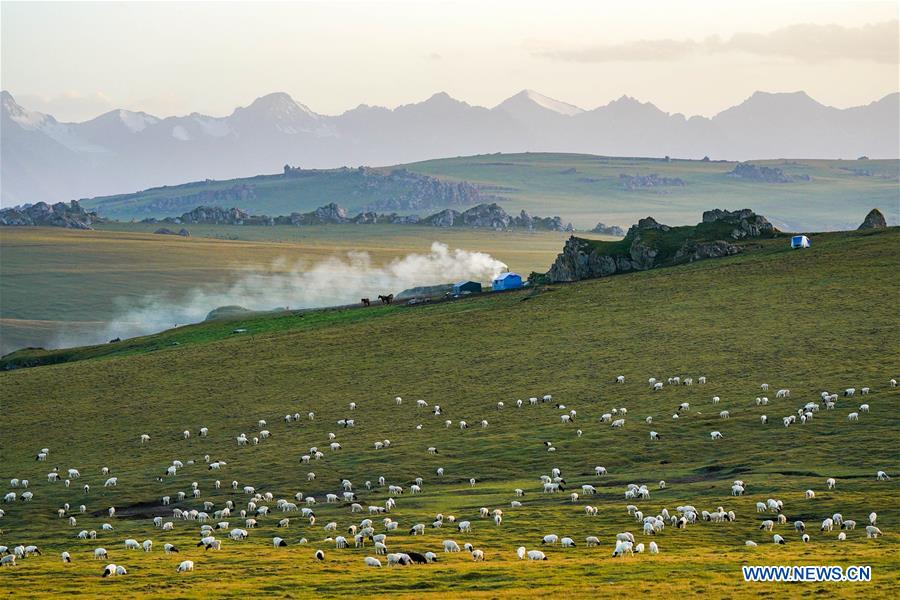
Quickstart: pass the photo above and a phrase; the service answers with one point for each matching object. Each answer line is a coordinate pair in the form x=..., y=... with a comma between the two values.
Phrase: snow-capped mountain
x=123, y=151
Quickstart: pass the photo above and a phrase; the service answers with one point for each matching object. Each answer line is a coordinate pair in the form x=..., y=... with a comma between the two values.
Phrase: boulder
x=331, y=213
x=874, y=220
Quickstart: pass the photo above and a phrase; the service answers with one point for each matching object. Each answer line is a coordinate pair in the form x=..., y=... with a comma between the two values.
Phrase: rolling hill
x=582, y=189
x=740, y=321
x=122, y=151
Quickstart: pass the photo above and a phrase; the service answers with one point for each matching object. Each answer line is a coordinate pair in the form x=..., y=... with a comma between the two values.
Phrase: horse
x=386, y=299
x=366, y=302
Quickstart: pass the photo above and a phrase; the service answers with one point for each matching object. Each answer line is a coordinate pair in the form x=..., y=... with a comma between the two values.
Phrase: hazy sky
x=76, y=60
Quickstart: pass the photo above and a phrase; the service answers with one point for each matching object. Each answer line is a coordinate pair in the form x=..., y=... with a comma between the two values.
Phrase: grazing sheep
x=872, y=531
x=777, y=539
x=623, y=547
x=716, y=435
x=185, y=566
x=536, y=555
x=550, y=539
x=810, y=494
x=882, y=476
x=854, y=416
x=451, y=546
x=371, y=561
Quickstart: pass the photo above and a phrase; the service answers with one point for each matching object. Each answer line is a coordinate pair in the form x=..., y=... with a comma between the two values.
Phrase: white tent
x=799, y=241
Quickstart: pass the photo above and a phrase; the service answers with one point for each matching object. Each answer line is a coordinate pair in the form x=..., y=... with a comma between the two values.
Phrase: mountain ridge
x=123, y=150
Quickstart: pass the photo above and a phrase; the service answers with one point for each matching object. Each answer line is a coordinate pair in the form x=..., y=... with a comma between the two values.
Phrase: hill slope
x=583, y=189
x=812, y=320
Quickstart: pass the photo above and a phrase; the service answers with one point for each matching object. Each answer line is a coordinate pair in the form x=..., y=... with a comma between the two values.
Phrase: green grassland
x=811, y=320
x=585, y=189
x=834, y=198
x=55, y=281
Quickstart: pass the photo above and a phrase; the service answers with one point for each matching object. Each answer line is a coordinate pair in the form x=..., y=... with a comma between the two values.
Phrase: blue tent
x=507, y=281
x=799, y=241
x=470, y=287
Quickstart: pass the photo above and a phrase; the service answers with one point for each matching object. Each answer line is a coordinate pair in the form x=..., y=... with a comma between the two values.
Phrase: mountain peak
x=27, y=119
x=442, y=98
x=276, y=101
x=530, y=98
x=278, y=109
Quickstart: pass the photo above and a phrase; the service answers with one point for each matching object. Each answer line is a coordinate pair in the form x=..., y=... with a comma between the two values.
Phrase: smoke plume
x=330, y=282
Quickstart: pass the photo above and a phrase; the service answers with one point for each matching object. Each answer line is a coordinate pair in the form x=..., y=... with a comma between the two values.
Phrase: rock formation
x=650, y=244
x=70, y=215
x=746, y=222
x=751, y=172
x=874, y=220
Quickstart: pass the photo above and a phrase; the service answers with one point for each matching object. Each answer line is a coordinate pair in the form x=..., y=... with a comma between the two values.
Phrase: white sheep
x=371, y=561
x=872, y=531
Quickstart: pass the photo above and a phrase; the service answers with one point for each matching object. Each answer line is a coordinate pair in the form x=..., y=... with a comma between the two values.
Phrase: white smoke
x=330, y=282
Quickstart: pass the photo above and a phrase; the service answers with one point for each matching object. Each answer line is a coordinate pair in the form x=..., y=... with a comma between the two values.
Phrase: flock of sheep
x=254, y=508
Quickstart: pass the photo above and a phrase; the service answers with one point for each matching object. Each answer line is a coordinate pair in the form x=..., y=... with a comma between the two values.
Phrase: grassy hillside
x=57, y=282
x=585, y=189
x=812, y=320
x=581, y=188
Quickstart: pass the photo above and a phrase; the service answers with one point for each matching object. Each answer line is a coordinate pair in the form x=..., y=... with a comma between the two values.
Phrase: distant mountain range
x=122, y=151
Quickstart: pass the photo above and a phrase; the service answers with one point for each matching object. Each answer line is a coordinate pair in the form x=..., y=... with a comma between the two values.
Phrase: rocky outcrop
x=650, y=244
x=445, y=218
x=485, y=216
x=746, y=223
x=702, y=250
x=604, y=229
x=166, y=231
x=636, y=182
x=216, y=215
x=243, y=194
x=751, y=172
x=874, y=220
x=61, y=214
x=407, y=191
x=648, y=223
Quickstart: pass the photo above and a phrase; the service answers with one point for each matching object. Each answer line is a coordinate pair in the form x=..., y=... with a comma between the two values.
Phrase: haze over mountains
x=122, y=151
